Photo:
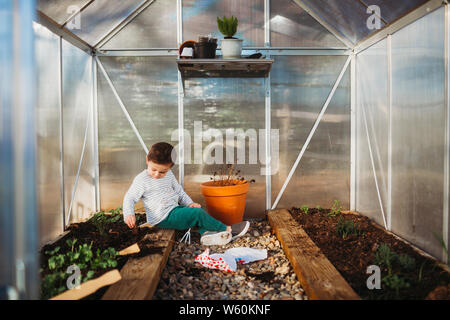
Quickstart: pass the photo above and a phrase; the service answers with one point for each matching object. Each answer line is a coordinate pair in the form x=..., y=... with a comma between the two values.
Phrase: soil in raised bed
x=118, y=236
x=353, y=254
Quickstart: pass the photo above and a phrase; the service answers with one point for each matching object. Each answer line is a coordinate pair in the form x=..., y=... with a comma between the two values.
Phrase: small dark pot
x=205, y=50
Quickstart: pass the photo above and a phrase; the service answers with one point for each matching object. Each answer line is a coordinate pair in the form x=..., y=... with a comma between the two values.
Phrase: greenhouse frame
x=355, y=108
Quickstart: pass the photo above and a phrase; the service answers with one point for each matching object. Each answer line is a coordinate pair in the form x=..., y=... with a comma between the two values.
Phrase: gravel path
x=269, y=279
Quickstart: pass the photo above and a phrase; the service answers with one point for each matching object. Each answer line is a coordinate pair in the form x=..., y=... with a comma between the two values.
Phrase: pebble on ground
x=269, y=279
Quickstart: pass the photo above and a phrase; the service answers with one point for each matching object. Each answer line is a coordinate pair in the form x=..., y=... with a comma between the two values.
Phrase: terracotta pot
x=225, y=203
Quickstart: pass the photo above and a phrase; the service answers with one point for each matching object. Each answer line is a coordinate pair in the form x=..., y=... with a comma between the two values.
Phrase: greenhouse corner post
x=180, y=99
x=95, y=144
x=446, y=207
x=267, y=99
x=19, y=260
x=353, y=132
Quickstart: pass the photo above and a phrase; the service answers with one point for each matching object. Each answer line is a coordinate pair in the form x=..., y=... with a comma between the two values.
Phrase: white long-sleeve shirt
x=159, y=196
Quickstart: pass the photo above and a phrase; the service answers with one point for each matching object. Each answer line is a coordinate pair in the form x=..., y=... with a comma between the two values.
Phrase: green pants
x=181, y=218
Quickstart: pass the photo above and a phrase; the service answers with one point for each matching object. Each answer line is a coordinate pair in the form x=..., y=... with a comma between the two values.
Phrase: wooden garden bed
x=99, y=248
x=327, y=247
x=319, y=278
x=140, y=276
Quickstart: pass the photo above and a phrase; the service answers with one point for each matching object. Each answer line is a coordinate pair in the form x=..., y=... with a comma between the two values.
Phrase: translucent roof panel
x=60, y=10
x=155, y=27
x=291, y=26
x=347, y=17
x=392, y=10
x=101, y=16
x=351, y=19
x=200, y=18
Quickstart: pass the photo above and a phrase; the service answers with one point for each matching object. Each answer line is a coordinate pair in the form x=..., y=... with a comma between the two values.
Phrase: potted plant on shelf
x=225, y=195
x=231, y=46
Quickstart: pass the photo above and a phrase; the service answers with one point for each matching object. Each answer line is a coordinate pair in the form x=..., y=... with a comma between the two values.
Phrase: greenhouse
x=319, y=128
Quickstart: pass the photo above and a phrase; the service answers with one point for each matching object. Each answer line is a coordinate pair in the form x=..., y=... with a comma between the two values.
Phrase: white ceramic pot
x=231, y=48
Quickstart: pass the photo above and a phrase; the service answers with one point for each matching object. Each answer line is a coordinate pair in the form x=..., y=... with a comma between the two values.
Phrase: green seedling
x=335, y=210
x=345, y=228
x=305, y=209
x=318, y=207
x=385, y=257
x=406, y=262
x=395, y=282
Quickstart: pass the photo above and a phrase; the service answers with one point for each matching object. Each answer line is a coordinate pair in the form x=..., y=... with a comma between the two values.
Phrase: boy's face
x=156, y=170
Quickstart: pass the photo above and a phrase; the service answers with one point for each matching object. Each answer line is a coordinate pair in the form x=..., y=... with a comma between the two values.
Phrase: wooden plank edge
x=306, y=283
x=162, y=265
x=152, y=287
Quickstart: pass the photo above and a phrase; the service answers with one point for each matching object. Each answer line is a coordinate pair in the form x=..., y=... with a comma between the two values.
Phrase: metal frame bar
x=389, y=179
x=446, y=204
x=122, y=24
x=327, y=26
x=373, y=166
x=122, y=106
x=180, y=100
x=267, y=111
x=80, y=163
x=155, y=52
x=57, y=29
x=353, y=135
x=95, y=135
x=399, y=24
x=308, y=139
x=61, y=134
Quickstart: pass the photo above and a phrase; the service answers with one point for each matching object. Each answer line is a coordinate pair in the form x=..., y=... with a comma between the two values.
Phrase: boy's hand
x=194, y=205
x=131, y=221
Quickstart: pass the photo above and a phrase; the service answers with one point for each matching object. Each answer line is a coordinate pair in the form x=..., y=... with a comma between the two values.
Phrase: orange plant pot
x=225, y=203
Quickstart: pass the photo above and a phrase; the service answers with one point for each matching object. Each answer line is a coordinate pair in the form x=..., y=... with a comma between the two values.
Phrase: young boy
x=168, y=206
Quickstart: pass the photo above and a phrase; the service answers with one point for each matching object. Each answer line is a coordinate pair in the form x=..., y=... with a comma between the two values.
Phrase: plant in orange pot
x=225, y=195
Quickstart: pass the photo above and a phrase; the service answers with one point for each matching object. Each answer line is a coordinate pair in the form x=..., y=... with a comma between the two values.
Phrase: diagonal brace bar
x=124, y=109
x=311, y=133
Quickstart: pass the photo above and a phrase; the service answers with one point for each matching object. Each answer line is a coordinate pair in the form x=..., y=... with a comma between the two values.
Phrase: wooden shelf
x=224, y=68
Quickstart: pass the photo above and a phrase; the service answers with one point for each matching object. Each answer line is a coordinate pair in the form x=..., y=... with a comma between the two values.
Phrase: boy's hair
x=162, y=153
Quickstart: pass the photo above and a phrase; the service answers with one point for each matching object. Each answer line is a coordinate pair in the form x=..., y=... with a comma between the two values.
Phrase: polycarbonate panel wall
x=211, y=107
x=418, y=130
x=48, y=134
x=200, y=18
x=300, y=86
x=148, y=87
x=291, y=26
x=372, y=96
x=155, y=27
x=77, y=114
